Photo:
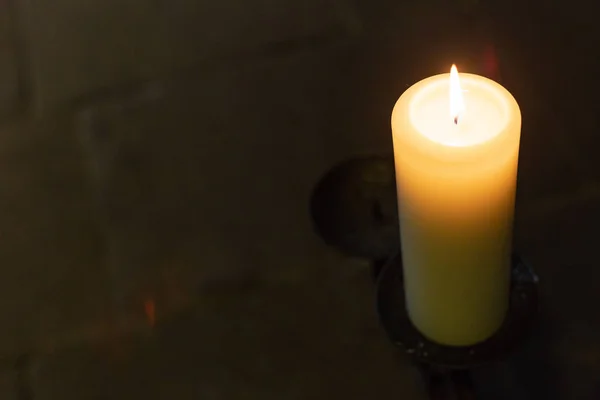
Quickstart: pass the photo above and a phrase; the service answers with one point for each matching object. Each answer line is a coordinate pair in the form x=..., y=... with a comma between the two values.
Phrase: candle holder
x=354, y=208
x=395, y=320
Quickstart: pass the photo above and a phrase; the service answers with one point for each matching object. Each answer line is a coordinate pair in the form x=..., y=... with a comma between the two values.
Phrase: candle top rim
x=492, y=108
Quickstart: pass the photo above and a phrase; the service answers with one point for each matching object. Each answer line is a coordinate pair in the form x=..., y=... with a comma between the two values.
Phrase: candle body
x=456, y=190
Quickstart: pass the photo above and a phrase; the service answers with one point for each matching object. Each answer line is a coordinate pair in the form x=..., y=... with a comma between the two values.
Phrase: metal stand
x=354, y=210
x=446, y=368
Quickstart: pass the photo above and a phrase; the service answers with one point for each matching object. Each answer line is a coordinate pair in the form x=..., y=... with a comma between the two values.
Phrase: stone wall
x=115, y=112
x=157, y=156
x=129, y=149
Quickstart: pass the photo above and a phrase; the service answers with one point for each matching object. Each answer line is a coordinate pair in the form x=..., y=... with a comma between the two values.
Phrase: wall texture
x=156, y=161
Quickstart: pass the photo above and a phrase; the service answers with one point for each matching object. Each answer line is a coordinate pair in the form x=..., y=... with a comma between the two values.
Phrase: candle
x=456, y=146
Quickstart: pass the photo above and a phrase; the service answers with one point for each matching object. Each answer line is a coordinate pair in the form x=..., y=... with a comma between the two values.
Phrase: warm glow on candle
x=456, y=178
x=457, y=103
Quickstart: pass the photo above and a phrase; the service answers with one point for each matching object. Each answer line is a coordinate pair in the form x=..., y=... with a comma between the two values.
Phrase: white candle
x=456, y=154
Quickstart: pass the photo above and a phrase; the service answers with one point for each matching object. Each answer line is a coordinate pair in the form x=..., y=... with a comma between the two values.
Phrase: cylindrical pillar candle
x=456, y=153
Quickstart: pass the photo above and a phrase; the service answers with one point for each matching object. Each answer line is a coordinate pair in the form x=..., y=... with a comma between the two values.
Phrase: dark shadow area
x=206, y=203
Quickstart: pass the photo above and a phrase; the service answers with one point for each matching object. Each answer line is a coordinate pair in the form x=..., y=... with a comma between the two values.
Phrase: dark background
x=156, y=164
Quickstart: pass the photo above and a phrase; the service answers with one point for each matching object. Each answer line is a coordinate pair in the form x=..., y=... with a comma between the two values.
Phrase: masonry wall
x=156, y=154
x=115, y=114
x=133, y=133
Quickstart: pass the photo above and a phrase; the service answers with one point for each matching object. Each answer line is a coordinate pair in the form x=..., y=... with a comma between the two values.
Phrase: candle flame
x=457, y=104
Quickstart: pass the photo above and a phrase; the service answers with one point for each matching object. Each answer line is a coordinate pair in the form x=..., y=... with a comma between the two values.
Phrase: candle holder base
x=395, y=320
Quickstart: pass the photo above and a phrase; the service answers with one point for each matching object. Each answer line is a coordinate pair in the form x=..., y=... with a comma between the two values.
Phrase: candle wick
x=456, y=120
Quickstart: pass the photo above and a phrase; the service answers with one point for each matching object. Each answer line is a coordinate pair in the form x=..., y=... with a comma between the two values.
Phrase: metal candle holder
x=354, y=209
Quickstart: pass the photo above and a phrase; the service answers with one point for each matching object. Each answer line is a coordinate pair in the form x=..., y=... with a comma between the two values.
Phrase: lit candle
x=456, y=147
